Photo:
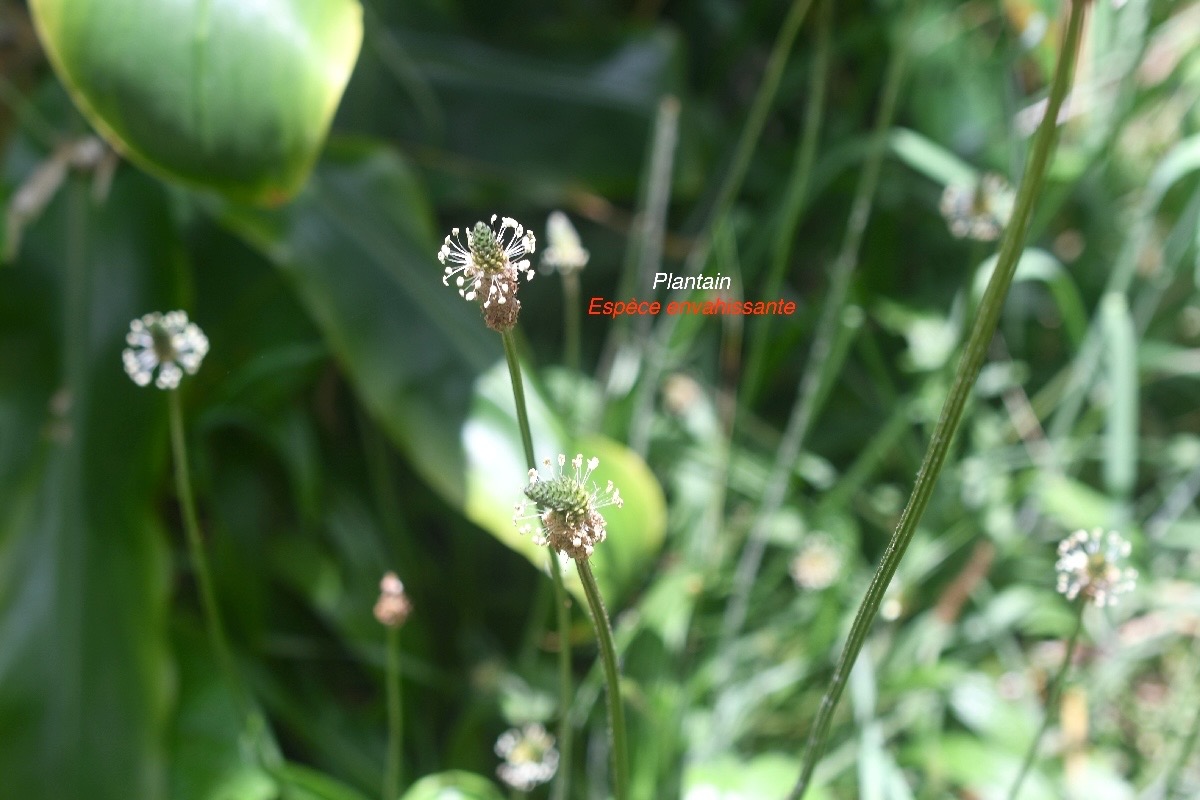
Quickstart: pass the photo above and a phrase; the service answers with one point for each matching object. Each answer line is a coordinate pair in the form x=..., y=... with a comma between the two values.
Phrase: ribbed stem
x=1052, y=700
x=562, y=617
x=395, y=711
x=952, y=411
x=612, y=680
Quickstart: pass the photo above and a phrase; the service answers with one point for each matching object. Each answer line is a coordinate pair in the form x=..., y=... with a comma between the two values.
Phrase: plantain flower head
x=980, y=211
x=166, y=344
x=568, y=508
x=530, y=758
x=564, y=252
x=1089, y=566
x=489, y=267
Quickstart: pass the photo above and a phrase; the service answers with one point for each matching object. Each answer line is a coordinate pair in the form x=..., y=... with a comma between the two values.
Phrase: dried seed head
x=502, y=317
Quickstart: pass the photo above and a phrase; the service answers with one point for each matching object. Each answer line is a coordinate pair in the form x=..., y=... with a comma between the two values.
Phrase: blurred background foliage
x=353, y=416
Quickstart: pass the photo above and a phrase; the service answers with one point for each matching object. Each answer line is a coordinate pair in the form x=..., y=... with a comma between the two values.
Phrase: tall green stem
x=562, y=616
x=952, y=411
x=395, y=711
x=191, y=525
x=1052, y=700
x=612, y=679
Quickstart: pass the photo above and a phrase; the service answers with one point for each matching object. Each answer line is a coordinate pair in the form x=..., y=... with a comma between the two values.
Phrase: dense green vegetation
x=353, y=416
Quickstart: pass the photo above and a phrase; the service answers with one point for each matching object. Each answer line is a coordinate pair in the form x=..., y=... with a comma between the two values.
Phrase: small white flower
x=568, y=508
x=491, y=262
x=530, y=758
x=978, y=212
x=1089, y=566
x=166, y=343
x=564, y=252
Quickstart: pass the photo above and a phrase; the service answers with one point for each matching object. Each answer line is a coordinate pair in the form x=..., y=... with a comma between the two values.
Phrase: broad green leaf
x=225, y=94
x=84, y=673
x=359, y=249
x=454, y=785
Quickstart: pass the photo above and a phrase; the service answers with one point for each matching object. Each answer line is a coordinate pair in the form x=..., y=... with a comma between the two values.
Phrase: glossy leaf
x=224, y=94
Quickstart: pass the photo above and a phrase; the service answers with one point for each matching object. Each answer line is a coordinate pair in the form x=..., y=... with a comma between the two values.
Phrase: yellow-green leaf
x=223, y=94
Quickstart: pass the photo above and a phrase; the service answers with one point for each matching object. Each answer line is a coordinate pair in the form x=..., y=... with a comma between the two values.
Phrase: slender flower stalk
x=162, y=348
x=392, y=611
x=393, y=775
x=491, y=262
x=612, y=680
x=1052, y=702
x=208, y=596
x=952, y=411
x=567, y=507
x=562, y=609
